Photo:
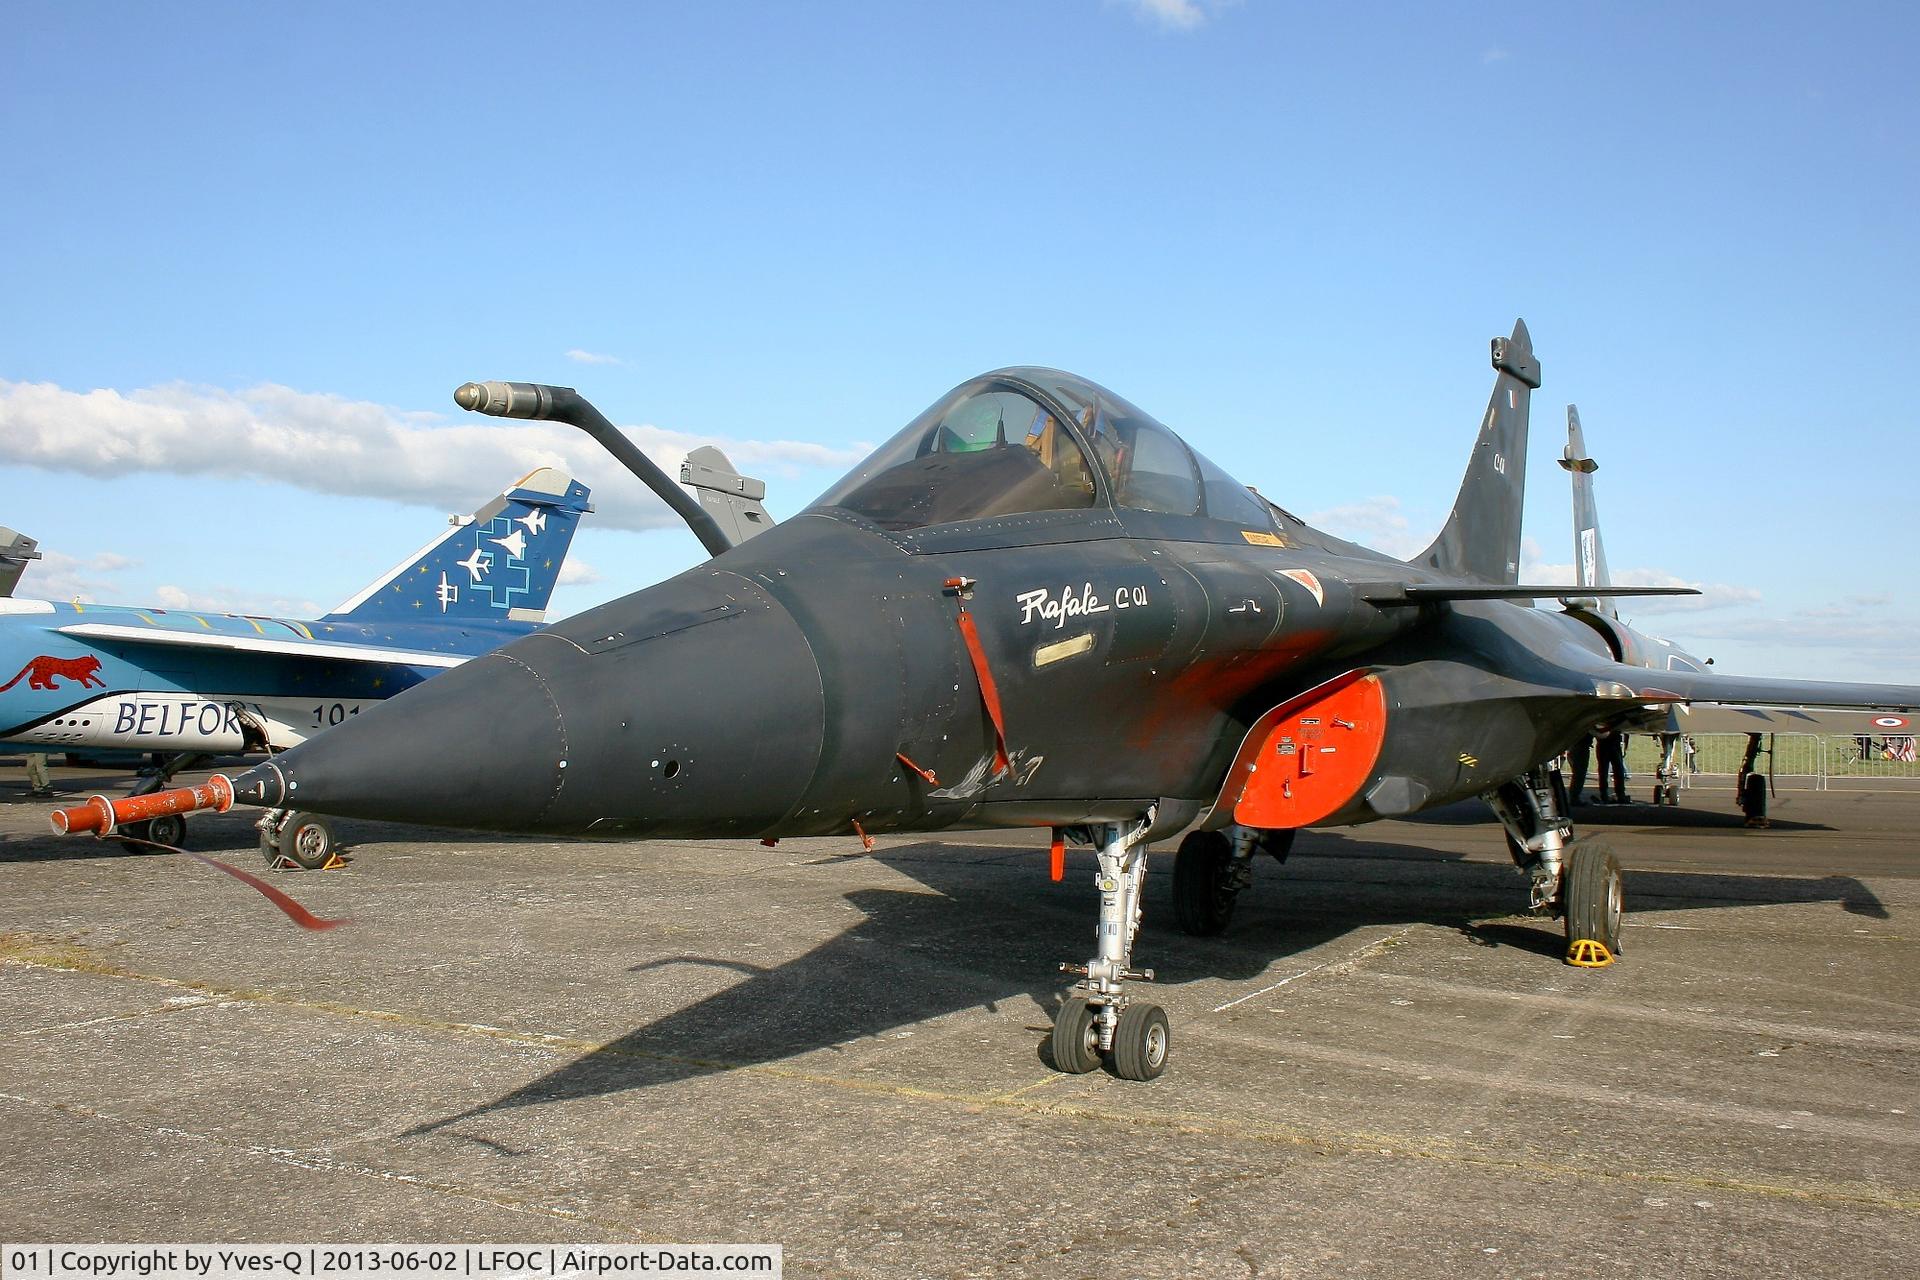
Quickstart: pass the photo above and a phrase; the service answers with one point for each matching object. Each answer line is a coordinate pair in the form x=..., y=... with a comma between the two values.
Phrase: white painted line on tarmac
x=1355, y=958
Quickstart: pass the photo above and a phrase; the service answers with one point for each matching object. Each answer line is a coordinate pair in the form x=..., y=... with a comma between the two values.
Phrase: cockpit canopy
x=1024, y=440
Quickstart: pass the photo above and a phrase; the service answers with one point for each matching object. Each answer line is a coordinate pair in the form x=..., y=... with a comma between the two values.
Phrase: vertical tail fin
x=498, y=565
x=16, y=550
x=1481, y=539
x=1589, y=554
x=733, y=500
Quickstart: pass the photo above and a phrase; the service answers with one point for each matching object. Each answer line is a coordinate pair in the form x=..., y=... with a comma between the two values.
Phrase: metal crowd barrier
x=1801, y=761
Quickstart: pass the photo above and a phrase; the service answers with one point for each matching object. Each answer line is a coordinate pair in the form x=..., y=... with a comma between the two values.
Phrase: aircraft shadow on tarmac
x=993, y=929
x=1696, y=815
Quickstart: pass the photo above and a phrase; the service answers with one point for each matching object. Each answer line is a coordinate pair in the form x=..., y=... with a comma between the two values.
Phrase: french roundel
x=1890, y=722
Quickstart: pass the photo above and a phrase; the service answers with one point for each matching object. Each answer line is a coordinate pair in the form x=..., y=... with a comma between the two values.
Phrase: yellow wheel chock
x=334, y=862
x=1585, y=953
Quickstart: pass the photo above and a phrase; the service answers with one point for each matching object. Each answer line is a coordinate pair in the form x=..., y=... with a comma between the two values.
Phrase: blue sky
x=248, y=251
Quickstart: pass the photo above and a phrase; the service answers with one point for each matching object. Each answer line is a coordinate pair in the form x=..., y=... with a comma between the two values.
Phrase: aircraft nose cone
x=482, y=746
x=692, y=708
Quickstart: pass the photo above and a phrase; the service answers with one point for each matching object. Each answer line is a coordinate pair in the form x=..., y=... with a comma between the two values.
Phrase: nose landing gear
x=1098, y=1018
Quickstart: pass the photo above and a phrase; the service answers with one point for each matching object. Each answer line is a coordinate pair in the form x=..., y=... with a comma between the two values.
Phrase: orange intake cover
x=1305, y=760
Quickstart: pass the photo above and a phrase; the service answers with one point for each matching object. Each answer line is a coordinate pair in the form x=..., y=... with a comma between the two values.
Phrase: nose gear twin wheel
x=1076, y=1037
x=1140, y=1042
x=1141, y=1039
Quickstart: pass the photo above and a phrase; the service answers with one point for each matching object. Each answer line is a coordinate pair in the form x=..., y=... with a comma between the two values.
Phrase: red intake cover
x=1306, y=759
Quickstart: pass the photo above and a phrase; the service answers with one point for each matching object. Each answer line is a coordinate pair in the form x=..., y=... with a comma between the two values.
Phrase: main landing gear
x=1666, y=778
x=1212, y=867
x=1098, y=1018
x=1579, y=880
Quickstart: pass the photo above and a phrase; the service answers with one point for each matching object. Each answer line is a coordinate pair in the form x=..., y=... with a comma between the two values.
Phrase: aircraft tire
x=168, y=829
x=1076, y=1041
x=1141, y=1042
x=1202, y=902
x=307, y=838
x=134, y=833
x=1594, y=894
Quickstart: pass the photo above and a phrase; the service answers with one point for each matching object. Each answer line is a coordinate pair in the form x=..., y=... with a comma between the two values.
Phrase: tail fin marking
x=498, y=565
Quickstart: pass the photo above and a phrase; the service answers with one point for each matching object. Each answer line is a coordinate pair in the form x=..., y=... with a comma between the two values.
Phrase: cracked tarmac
x=1378, y=1068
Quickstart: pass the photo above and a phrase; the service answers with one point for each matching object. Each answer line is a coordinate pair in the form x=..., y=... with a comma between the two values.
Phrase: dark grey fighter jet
x=1657, y=653
x=1036, y=606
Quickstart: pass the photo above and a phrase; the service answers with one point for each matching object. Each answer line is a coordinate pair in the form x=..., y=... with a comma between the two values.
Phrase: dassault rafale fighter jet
x=1038, y=607
x=1658, y=653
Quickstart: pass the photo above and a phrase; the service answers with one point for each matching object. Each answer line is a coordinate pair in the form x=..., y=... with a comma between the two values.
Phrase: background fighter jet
x=187, y=685
x=1657, y=653
x=1037, y=606
x=1631, y=646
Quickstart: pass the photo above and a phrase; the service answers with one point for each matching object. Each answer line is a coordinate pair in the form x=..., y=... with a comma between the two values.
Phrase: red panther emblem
x=43, y=671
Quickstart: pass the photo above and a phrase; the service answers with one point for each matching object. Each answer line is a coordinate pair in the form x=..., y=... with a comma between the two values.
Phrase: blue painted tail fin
x=498, y=565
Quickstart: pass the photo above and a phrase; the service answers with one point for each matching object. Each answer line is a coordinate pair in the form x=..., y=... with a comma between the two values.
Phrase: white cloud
x=58, y=576
x=575, y=572
x=1177, y=15
x=330, y=444
x=1713, y=595
x=592, y=357
x=1877, y=637
x=1493, y=55
x=1372, y=522
x=227, y=600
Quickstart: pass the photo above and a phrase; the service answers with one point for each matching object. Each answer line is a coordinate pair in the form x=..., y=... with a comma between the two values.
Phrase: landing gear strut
x=1579, y=880
x=1098, y=1018
x=1533, y=809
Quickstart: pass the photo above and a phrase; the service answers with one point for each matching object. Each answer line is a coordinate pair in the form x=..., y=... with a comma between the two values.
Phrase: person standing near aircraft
x=1610, y=745
x=1580, y=758
x=1750, y=785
